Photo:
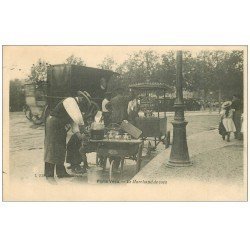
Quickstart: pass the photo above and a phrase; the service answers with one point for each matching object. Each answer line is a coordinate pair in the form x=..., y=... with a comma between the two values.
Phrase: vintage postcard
x=125, y=123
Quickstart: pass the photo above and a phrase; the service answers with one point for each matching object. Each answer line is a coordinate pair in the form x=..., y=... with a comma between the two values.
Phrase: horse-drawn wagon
x=64, y=80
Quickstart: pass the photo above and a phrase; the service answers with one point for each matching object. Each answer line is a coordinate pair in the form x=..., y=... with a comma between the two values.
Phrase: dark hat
x=86, y=96
x=226, y=104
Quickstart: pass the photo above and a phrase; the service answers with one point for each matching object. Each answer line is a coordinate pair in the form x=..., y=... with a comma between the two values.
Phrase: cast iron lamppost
x=179, y=156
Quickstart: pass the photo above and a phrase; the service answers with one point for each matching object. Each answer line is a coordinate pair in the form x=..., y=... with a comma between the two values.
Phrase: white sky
x=19, y=59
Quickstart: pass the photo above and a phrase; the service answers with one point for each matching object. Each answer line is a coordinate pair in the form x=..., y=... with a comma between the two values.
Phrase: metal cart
x=154, y=127
x=124, y=149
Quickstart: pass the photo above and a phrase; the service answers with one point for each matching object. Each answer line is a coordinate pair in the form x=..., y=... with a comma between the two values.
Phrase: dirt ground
x=26, y=146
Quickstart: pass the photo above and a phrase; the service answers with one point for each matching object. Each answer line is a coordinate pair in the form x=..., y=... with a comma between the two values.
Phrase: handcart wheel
x=97, y=160
x=110, y=170
x=139, y=156
x=149, y=148
x=121, y=170
x=112, y=164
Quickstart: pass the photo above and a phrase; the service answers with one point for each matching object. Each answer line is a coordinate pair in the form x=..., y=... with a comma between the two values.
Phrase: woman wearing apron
x=66, y=112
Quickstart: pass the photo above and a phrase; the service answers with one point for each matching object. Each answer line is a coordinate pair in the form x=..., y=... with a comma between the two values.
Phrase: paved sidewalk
x=214, y=160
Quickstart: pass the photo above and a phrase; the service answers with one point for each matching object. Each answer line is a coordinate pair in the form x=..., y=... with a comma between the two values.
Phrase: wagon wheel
x=37, y=120
x=28, y=113
x=40, y=119
x=139, y=156
x=46, y=113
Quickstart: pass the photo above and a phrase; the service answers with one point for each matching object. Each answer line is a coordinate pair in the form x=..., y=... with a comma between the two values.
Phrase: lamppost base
x=179, y=164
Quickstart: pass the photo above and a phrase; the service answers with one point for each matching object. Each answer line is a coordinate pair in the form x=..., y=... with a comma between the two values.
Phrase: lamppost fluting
x=179, y=156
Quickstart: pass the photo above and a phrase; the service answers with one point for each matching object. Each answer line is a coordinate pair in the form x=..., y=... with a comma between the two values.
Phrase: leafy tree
x=233, y=82
x=108, y=63
x=17, y=96
x=75, y=60
x=38, y=72
x=216, y=72
x=166, y=69
x=139, y=67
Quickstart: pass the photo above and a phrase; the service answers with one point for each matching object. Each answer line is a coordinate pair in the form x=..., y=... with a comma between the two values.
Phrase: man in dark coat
x=118, y=106
x=133, y=108
x=67, y=112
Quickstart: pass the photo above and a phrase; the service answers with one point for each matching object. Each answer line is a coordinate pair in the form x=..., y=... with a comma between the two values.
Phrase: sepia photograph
x=124, y=123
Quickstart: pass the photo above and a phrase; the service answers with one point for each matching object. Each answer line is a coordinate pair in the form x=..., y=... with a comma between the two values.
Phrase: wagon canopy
x=150, y=93
x=65, y=80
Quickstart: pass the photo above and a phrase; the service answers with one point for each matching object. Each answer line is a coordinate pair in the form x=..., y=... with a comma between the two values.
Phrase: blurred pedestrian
x=227, y=119
x=242, y=125
x=210, y=105
x=238, y=107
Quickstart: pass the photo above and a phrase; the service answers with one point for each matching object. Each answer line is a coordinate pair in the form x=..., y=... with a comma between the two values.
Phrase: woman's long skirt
x=229, y=124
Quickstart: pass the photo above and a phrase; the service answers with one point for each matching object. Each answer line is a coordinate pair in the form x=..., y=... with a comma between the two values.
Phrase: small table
x=107, y=148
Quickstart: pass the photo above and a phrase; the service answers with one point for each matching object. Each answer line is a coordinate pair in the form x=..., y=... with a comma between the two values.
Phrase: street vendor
x=66, y=112
x=118, y=106
x=133, y=107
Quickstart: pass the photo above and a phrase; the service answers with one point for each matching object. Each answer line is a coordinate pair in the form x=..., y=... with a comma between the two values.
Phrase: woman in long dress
x=227, y=118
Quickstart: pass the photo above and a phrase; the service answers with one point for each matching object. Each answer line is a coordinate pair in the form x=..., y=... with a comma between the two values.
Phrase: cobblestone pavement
x=26, y=144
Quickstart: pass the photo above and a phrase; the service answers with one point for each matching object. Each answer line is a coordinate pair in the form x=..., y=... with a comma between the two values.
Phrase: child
x=227, y=119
